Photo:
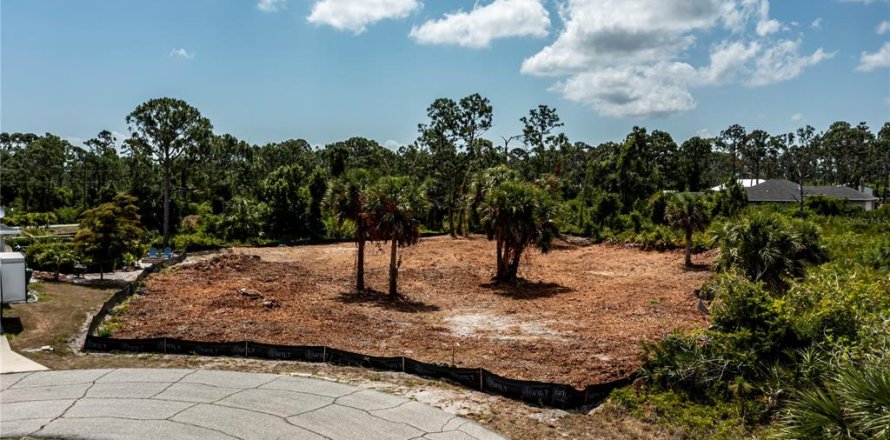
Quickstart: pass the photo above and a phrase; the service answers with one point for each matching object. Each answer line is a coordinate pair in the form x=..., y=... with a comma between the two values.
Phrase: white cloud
x=357, y=15
x=655, y=91
x=872, y=61
x=883, y=28
x=704, y=133
x=182, y=53
x=797, y=117
x=615, y=32
x=483, y=24
x=392, y=144
x=626, y=57
x=766, y=25
x=817, y=23
x=729, y=61
x=271, y=5
x=782, y=62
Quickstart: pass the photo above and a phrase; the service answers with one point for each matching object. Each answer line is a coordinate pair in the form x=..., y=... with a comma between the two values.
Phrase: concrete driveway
x=205, y=404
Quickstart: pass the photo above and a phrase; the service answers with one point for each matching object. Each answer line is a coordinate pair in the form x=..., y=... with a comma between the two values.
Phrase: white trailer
x=13, y=284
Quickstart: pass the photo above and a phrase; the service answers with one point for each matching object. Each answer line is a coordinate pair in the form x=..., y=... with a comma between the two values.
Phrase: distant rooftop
x=781, y=190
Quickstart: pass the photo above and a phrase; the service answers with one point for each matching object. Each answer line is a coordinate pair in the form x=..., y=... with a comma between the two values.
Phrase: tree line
x=181, y=173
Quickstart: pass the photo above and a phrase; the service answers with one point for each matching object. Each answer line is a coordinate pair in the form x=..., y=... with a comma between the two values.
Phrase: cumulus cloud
x=883, y=28
x=817, y=23
x=660, y=90
x=483, y=24
x=627, y=58
x=271, y=5
x=782, y=62
x=876, y=60
x=357, y=15
x=728, y=61
x=797, y=117
x=182, y=53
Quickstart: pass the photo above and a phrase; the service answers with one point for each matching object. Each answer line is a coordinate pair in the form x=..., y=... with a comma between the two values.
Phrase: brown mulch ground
x=579, y=317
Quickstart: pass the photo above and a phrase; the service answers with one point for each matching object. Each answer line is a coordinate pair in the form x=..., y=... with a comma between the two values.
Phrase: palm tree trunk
x=513, y=270
x=360, y=266
x=393, y=270
x=500, y=257
x=688, y=247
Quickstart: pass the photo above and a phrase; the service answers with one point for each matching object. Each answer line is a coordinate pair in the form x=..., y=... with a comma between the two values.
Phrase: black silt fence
x=539, y=393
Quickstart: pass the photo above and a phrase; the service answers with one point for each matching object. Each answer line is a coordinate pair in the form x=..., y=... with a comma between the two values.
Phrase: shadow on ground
x=696, y=267
x=522, y=289
x=379, y=299
x=11, y=324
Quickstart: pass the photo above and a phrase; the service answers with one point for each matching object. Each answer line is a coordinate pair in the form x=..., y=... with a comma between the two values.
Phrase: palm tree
x=518, y=215
x=689, y=213
x=395, y=208
x=768, y=247
x=346, y=199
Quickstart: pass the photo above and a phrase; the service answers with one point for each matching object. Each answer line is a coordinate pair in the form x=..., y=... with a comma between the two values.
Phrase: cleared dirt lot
x=578, y=318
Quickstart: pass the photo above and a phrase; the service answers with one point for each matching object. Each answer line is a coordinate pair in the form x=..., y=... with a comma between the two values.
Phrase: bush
x=196, y=241
x=854, y=403
x=708, y=366
x=824, y=205
x=54, y=256
x=768, y=247
x=31, y=219
x=67, y=215
x=741, y=305
x=243, y=220
x=685, y=418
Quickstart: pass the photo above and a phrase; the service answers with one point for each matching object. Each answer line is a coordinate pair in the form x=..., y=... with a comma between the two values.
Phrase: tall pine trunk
x=393, y=270
x=166, y=206
x=451, y=221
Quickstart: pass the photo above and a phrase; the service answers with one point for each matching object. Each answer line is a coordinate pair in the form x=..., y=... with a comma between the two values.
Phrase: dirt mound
x=579, y=317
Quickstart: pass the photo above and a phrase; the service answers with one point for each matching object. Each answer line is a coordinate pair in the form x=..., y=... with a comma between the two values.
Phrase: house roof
x=6, y=230
x=781, y=190
x=840, y=192
x=774, y=190
x=744, y=183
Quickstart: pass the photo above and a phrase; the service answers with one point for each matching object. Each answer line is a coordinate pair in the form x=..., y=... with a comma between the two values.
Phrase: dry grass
x=579, y=317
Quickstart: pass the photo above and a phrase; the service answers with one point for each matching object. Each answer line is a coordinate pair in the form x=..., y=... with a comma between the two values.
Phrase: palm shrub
x=688, y=213
x=395, y=208
x=345, y=200
x=768, y=247
x=853, y=404
x=518, y=215
x=242, y=220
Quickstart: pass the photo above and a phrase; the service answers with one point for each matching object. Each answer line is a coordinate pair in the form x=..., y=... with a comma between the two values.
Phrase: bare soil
x=578, y=317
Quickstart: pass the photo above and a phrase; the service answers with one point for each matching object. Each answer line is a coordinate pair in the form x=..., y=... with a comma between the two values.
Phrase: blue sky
x=326, y=70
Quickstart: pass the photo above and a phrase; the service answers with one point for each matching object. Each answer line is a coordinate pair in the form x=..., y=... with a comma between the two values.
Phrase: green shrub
x=243, y=220
x=67, y=215
x=768, y=247
x=54, y=256
x=740, y=305
x=854, y=403
x=685, y=418
x=196, y=241
x=824, y=205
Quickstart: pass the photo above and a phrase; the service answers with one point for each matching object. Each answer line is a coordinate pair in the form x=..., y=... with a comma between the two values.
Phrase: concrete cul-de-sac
x=205, y=404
